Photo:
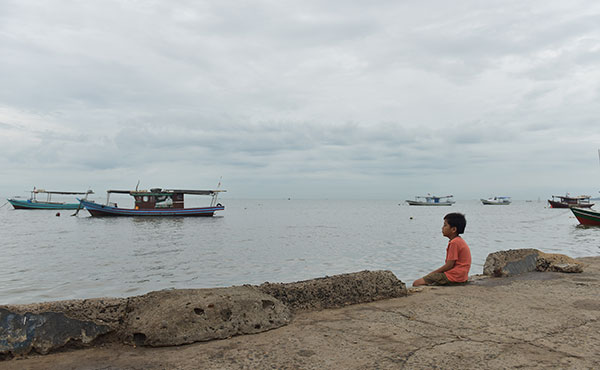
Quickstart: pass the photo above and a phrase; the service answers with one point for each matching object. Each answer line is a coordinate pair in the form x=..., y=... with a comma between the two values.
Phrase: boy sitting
x=458, y=255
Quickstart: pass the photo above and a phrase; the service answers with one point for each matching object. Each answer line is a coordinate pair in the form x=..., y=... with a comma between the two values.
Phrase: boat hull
x=100, y=210
x=417, y=203
x=586, y=216
x=555, y=204
x=27, y=204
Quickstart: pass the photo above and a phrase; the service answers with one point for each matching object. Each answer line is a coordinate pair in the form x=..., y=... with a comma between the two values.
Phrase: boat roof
x=166, y=192
x=434, y=196
x=63, y=192
x=574, y=197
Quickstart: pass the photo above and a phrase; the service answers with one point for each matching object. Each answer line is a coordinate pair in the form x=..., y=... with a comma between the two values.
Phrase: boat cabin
x=432, y=199
x=581, y=199
x=158, y=198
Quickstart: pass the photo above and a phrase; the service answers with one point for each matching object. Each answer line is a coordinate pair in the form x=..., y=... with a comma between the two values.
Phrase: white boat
x=431, y=200
x=498, y=201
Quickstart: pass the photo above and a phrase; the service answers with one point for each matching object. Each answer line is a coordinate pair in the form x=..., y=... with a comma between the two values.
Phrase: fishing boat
x=499, y=201
x=431, y=200
x=567, y=201
x=34, y=203
x=586, y=216
x=155, y=202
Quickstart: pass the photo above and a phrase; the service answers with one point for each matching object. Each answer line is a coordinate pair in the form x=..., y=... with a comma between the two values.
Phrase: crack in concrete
x=511, y=340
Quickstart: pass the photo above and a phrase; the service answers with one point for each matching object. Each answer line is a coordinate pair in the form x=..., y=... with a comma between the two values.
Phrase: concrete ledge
x=179, y=316
x=337, y=291
x=174, y=317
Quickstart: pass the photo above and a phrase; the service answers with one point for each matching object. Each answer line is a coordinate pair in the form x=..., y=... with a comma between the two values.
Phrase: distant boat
x=34, y=203
x=497, y=201
x=155, y=202
x=586, y=216
x=431, y=200
x=567, y=201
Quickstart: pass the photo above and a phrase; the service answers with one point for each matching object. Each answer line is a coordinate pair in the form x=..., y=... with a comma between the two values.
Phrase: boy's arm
x=447, y=266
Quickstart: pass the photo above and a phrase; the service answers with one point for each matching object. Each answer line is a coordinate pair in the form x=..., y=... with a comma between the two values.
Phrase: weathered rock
x=510, y=262
x=567, y=267
x=519, y=261
x=337, y=291
x=558, y=263
x=43, y=332
x=174, y=317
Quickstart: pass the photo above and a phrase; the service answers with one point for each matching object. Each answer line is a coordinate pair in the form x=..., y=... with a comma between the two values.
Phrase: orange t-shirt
x=459, y=251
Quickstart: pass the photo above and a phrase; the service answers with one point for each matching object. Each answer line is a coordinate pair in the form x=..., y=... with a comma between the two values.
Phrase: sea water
x=44, y=257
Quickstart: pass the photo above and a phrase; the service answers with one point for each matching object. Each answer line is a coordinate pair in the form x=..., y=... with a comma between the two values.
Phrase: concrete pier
x=548, y=320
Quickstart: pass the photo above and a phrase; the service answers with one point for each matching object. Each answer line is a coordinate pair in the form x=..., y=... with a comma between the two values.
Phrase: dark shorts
x=436, y=278
x=439, y=278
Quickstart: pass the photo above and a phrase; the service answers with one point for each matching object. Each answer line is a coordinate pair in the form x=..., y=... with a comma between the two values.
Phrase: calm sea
x=44, y=257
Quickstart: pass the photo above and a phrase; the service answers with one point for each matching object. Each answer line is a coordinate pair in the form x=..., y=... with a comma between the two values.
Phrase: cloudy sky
x=302, y=99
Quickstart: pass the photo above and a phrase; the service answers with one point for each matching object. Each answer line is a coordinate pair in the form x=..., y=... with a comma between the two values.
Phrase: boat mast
x=215, y=194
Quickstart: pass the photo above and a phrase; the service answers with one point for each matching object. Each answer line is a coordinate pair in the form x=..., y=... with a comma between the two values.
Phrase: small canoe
x=34, y=203
x=29, y=204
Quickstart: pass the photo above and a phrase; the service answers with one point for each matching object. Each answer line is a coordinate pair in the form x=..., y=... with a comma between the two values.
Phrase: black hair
x=457, y=220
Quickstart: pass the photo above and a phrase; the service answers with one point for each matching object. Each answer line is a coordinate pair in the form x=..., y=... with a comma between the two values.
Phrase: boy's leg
x=419, y=282
x=437, y=278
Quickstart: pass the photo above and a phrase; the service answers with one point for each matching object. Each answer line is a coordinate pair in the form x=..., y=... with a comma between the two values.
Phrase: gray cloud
x=288, y=99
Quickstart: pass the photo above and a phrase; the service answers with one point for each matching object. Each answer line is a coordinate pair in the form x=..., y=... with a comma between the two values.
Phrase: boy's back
x=459, y=251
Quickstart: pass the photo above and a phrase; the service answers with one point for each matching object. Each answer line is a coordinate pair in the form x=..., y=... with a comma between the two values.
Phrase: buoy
x=57, y=214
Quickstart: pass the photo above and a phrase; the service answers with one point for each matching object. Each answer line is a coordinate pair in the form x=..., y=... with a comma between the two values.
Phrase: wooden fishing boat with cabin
x=496, y=201
x=431, y=200
x=567, y=201
x=155, y=202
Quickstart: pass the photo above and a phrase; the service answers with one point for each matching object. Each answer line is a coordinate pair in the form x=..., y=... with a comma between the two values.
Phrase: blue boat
x=34, y=203
x=155, y=202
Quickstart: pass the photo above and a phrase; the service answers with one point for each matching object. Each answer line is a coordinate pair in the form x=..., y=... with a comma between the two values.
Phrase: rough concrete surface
x=536, y=320
x=337, y=291
x=181, y=316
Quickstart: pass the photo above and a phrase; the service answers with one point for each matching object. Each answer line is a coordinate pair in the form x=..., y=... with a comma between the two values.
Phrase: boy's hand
x=447, y=266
